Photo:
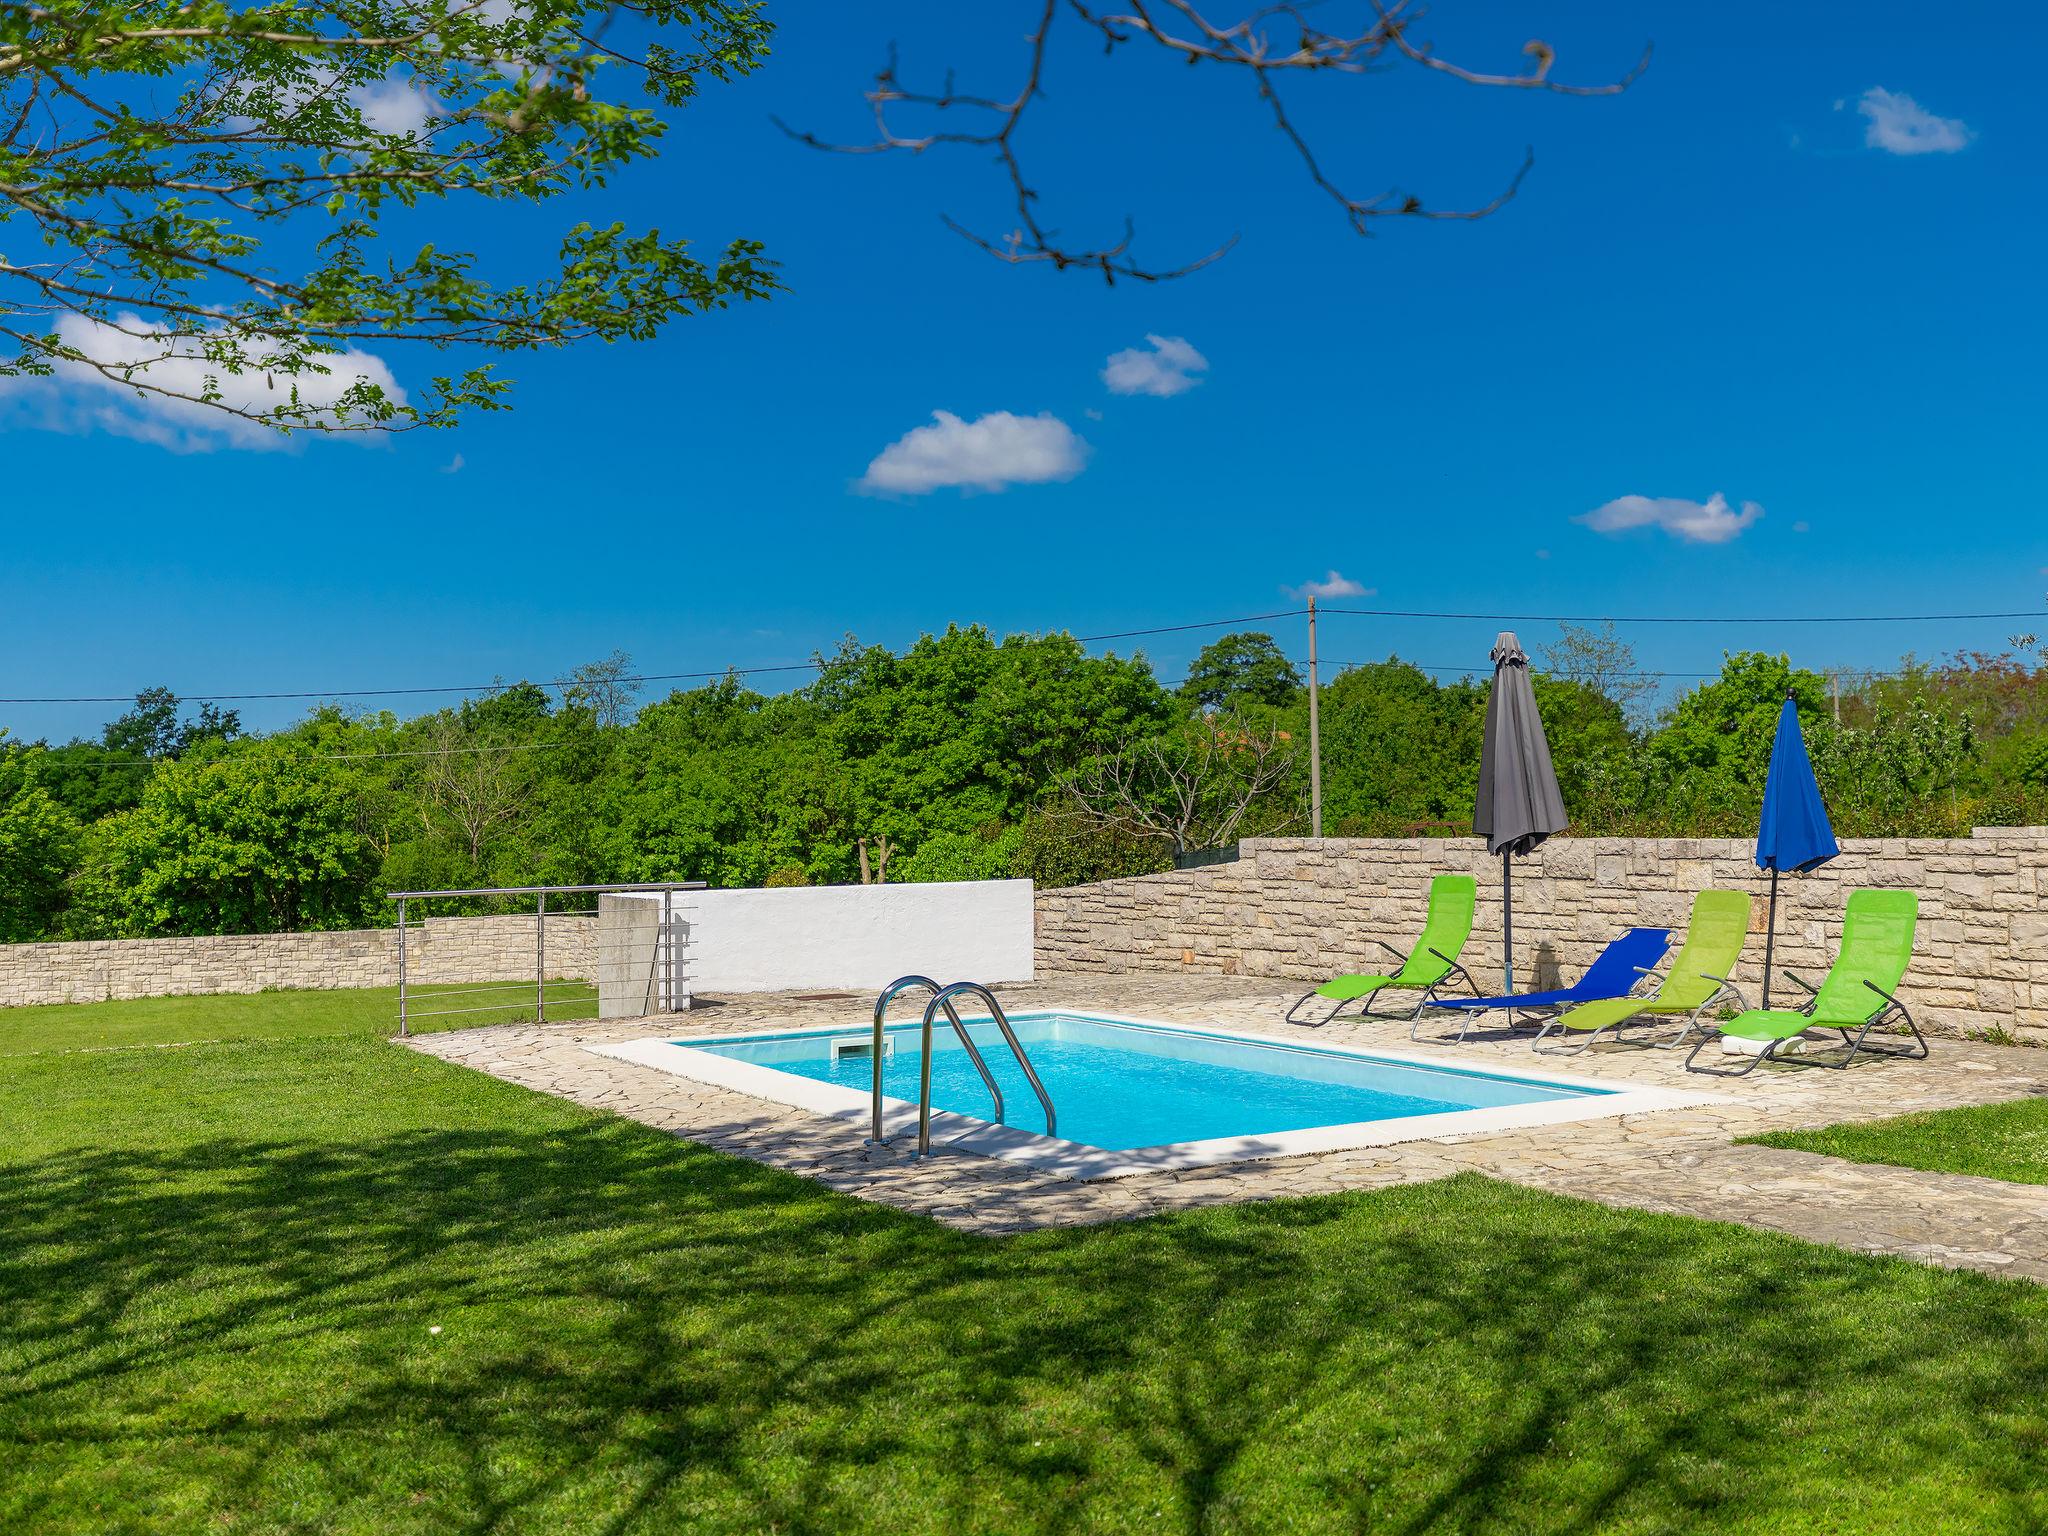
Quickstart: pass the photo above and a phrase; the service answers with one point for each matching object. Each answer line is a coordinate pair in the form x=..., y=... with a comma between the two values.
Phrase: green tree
x=1587, y=731
x=219, y=191
x=1602, y=661
x=1726, y=726
x=40, y=843
x=721, y=784
x=153, y=728
x=95, y=779
x=1400, y=750
x=1902, y=773
x=251, y=838
x=1238, y=670
x=960, y=731
x=983, y=855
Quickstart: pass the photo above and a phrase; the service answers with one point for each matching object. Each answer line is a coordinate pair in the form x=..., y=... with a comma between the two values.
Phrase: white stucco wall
x=852, y=935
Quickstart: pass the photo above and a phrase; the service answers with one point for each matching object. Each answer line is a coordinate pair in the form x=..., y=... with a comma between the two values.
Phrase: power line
x=69, y=762
x=1423, y=666
x=818, y=664
x=363, y=693
x=571, y=682
x=1661, y=618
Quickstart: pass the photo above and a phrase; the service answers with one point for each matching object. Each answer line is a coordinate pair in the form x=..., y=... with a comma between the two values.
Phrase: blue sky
x=1727, y=282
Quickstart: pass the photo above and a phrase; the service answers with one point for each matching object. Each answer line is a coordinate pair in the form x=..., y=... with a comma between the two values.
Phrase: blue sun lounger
x=1613, y=973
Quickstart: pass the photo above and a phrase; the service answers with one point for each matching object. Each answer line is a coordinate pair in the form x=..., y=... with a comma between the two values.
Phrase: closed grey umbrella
x=1518, y=804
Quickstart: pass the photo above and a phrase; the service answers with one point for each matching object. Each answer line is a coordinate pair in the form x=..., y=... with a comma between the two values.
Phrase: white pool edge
x=1075, y=1160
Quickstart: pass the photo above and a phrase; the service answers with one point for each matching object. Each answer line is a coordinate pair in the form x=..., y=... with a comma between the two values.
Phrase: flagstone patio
x=1680, y=1160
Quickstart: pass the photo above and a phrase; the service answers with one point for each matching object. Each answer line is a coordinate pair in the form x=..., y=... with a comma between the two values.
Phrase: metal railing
x=889, y=993
x=942, y=1000
x=666, y=985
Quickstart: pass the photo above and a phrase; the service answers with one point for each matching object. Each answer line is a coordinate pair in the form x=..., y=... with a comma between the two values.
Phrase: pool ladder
x=942, y=1000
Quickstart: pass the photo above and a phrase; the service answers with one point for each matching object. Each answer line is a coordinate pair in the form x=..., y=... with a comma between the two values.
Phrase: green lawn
x=222, y=1268
x=1998, y=1141
x=369, y=1012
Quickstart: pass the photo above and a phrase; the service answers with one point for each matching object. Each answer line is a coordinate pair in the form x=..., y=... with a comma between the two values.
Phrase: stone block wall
x=1305, y=909
x=442, y=949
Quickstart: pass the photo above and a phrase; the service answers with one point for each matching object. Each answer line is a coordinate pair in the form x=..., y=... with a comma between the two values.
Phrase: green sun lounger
x=1697, y=981
x=1855, y=998
x=1423, y=969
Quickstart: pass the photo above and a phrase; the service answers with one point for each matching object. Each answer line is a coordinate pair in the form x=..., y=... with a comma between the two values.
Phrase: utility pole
x=1315, y=734
x=1835, y=687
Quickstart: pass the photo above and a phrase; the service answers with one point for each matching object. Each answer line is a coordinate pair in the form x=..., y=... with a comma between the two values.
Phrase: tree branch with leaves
x=198, y=199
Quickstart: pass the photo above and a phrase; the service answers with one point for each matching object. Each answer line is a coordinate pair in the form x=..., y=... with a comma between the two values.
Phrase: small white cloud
x=454, y=465
x=1091, y=413
x=1899, y=125
x=1802, y=526
x=1712, y=521
x=395, y=106
x=1542, y=554
x=1167, y=367
x=96, y=393
x=989, y=453
x=1332, y=585
x=387, y=106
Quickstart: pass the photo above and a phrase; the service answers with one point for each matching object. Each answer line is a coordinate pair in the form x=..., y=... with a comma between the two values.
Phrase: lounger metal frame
x=1720, y=995
x=1545, y=1013
x=1892, y=1012
x=1365, y=1011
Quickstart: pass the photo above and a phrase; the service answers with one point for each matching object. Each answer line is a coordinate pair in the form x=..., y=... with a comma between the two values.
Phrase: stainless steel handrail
x=904, y=984
x=663, y=959
x=553, y=890
x=943, y=998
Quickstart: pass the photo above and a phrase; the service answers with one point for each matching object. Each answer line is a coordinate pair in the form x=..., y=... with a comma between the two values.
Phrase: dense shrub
x=1058, y=850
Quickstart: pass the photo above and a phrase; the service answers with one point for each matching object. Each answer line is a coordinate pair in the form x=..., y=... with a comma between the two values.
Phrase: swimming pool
x=1133, y=1094
x=1121, y=1086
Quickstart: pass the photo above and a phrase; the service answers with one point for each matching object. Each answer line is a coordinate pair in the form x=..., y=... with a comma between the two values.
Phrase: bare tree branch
x=1183, y=31
x=1194, y=788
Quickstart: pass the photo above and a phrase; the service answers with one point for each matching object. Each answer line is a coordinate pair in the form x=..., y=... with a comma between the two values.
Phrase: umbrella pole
x=1770, y=935
x=1507, y=921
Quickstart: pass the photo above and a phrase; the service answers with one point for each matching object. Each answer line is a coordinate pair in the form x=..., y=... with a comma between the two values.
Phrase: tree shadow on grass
x=641, y=1334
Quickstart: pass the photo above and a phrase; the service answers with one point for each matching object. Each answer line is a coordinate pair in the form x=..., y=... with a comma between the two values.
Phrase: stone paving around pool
x=1679, y=1160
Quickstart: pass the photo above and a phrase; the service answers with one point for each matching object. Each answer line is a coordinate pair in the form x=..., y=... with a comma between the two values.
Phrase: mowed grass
x=1996, y=1141
x=222, y=1269
x=287, y=1015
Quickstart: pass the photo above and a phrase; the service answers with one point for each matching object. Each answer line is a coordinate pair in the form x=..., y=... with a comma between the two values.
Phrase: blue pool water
x=1123, y=1086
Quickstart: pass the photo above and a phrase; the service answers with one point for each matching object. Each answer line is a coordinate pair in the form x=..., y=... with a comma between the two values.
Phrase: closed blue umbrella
x=1793, y=832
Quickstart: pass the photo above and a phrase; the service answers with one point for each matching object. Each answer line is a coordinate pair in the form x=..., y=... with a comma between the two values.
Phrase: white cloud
x=1899, y=125
x=395, y=106
x=387, y=106
x=1167, y=368
x=989, y=453
x=1710, y=522
x=79, y=397
x=1332, y=585
x=454, y=465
